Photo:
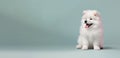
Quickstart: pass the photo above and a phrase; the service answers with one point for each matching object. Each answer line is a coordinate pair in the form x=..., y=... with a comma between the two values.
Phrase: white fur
x=91, y=37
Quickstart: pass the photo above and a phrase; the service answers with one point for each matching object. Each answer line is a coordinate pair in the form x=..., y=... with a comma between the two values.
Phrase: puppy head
x=90, y=19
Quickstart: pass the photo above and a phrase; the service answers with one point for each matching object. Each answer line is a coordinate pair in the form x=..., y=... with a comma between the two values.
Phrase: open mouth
x=88, y=25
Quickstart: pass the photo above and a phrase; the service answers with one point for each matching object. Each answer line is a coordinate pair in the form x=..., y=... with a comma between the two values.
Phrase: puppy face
x=90, y=19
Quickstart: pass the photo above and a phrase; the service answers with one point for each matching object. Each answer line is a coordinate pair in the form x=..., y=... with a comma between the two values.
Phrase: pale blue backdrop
x=54, y=25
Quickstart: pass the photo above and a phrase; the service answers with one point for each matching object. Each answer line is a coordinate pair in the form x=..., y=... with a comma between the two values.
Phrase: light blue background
x=53, y=25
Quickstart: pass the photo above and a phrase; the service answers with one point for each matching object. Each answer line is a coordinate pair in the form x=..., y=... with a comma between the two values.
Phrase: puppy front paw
x=96, y=48
x=84, y=47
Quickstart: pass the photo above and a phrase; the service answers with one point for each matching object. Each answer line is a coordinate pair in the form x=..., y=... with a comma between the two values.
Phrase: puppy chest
x=91, y=35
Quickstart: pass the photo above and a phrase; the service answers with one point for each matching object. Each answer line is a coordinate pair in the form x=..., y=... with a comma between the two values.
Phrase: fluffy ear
x=85, y=11
x=96, y=13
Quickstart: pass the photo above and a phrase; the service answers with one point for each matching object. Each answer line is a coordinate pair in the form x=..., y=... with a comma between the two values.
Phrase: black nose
x=85, y=21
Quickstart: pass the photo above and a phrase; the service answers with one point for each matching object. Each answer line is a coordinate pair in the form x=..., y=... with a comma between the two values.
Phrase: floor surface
x=59, y=52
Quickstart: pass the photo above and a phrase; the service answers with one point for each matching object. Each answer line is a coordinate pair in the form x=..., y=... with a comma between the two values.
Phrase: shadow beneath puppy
x=108, y=48
x=104, y=48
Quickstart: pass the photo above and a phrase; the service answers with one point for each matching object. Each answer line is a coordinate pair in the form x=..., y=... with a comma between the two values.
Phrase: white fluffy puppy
x=91, y=31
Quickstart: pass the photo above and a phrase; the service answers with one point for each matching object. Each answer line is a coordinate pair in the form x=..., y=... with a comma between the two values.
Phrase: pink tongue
x=86, y=26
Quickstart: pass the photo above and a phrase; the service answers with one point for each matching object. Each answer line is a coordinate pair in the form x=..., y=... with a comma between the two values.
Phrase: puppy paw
x=96, y=48
x=78, y=46
x=84, y=47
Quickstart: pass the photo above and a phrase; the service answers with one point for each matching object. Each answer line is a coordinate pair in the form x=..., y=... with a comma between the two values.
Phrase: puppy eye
x=90, y=18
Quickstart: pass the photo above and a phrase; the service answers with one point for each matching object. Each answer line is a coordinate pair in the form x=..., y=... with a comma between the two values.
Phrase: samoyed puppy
x=91, y=31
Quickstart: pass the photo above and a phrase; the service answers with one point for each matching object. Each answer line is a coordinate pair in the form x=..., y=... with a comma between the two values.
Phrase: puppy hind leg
x=79, y=43
x=79, y=46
